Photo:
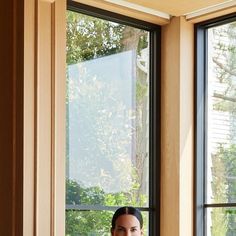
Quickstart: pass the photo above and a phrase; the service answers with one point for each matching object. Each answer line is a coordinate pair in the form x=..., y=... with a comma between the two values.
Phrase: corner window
x=216, y=127
x=112, y=142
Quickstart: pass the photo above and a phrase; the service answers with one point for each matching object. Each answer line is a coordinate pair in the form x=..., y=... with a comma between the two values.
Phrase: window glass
x=220, y=180
x=221, y=221
x=107, y=143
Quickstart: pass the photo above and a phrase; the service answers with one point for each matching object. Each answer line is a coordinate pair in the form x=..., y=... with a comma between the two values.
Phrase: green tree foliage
x=225, y=66
x=224, y=190
x=224, y=159
x=89, y=38
x=88, y=222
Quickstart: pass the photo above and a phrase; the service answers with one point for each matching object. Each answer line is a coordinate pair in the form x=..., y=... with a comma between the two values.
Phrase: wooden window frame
x=201, y=70
x=155, y=106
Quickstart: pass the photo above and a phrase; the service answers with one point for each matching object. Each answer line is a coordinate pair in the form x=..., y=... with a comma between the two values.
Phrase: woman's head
x=127, y=221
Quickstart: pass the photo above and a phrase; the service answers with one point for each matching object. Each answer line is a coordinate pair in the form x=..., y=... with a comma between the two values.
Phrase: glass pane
x=221, y=156
x=107, y=142
x=221, y=221
x=89, y=223
x=93, y=223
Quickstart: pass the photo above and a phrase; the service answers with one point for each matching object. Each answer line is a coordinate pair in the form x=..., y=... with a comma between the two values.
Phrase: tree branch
x=230, y=99
x=223, y=67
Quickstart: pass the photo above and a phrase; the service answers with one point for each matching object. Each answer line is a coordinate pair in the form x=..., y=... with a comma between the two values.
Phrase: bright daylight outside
x=221, y=141
x=107, y=142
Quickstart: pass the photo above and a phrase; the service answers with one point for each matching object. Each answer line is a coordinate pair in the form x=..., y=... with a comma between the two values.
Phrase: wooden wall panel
x=29, y=206
x=177, y=129
x=59, y=134
x=51, y=118
x=44, y=115
x=186, y=162
x=11, y=118
x=44, y=140
x=170, y=140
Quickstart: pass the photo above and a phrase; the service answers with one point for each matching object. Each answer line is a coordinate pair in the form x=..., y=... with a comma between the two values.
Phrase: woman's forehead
x=127, y=221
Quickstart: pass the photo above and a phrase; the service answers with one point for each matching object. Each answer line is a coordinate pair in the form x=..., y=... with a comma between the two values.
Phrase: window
x=215, y=127
x=113, y=119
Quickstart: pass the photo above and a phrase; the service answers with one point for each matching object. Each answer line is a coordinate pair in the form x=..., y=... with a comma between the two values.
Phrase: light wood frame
x=32, y=90
x=44, y=118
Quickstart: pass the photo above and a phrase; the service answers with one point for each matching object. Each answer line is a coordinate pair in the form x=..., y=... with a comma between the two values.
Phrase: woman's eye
x=133, y=230
x=121, y=229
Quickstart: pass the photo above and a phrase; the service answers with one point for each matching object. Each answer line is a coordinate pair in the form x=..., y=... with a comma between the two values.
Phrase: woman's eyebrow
x=120, y=226
x=134, y=227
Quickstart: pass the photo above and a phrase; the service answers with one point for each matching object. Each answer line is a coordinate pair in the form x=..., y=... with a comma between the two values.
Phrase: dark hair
x=127, y=210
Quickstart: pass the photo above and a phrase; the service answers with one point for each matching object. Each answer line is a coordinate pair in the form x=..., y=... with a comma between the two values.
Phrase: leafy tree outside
x=90, y=38
x=223, y=158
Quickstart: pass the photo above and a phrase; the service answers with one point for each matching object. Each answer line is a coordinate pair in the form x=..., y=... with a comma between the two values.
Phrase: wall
x=32, y=47
x=32, y=63
x=11, y=118
x=177, y=129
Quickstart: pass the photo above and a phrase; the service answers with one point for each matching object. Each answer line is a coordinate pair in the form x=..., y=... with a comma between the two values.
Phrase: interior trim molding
x=138, y=7
x=123, y=10
x=211, y=9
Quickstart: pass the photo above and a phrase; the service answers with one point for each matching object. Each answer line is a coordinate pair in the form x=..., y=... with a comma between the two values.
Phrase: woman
x=127, y=221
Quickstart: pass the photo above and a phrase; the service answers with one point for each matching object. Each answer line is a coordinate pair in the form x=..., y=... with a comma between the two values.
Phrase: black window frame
x=154, y=108
x=200, y=122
